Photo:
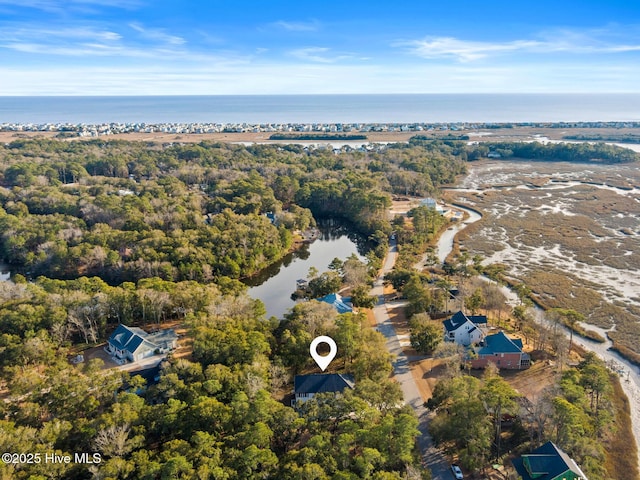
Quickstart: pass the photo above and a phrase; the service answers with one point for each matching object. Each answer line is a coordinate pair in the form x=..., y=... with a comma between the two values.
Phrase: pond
x=275, y=284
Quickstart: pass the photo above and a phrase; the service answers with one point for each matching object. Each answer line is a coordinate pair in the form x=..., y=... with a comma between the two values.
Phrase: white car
x=457, y=473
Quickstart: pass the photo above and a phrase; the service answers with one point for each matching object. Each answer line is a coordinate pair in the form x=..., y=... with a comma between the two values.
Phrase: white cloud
x=297, y=26
x=226, y=77
x=317, y=55
x=157, y=34
x=78, y=41
x=313, y=54
x=555, y=42
x=61, y=6
x=45, y=33
x=463, y=50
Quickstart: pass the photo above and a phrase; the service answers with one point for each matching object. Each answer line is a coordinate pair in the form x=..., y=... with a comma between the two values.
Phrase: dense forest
x=564, y=152
x=216, y=415
x=99, y=233
x=126, y=211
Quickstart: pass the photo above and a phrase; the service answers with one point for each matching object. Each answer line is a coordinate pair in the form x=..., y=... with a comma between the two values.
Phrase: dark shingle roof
x=321, y=383
x=126, y=338
x=131, y=338
x=546, y=463
x=478, y=319
x=458, y=319
x=500, y=343
x=455, y=322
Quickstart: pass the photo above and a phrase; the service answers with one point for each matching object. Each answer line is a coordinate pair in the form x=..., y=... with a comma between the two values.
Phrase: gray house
x=134, y=344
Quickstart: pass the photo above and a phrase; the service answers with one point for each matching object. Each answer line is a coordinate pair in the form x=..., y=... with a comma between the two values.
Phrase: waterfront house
x=547, y=462
x=342, y=305
x=429, y=203
x=134, y=344
x=432, y=203
x=464, y=329
x=506, y=353
x=308, y=386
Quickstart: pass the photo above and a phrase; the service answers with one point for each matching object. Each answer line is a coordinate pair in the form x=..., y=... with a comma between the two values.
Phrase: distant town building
x=547, y=462
x=134, y=344
x=308, y=386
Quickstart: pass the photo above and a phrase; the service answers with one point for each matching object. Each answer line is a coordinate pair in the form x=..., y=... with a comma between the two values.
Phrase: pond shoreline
x=275, y=284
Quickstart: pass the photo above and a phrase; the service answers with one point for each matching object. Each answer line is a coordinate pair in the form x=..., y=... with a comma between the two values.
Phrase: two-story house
x=134, y=344
x=464, y=330
x=506, y=353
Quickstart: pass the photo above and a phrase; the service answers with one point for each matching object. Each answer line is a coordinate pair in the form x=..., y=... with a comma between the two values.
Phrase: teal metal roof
x=546, y=462
x=337, y=301
x=500, y=343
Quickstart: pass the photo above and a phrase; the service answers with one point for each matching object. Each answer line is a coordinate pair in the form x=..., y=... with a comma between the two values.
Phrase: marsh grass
x=554, y=239
x=621, y=456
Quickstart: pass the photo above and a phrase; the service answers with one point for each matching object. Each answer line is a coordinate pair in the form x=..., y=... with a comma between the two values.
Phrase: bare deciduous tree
x=113, y=441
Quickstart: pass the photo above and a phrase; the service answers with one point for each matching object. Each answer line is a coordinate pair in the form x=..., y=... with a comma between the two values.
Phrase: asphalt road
x=432, y=457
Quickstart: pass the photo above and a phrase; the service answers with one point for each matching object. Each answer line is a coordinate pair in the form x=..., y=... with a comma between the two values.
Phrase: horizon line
x=313, y=94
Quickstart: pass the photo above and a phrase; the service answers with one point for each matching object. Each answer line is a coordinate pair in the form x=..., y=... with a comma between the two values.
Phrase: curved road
x=432, y=457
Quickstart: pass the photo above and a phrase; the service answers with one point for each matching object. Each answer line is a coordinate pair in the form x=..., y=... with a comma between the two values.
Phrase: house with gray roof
x=134, y=344
x=506, y=353
x=305, y=387
x=548, y=462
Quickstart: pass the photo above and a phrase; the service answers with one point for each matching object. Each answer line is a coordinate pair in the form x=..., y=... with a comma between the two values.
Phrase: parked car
x=457, y=473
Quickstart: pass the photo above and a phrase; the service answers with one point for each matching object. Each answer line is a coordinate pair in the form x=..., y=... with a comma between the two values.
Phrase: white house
x=134, y=344
x=464, y=330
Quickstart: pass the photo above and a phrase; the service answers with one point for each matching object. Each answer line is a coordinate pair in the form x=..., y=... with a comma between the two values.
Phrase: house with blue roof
x=547, y=462
x=464, y=329
x=342, y=305
x=506, y=353
x=134, y=344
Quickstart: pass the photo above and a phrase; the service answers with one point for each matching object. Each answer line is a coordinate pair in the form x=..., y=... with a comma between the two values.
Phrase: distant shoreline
x=499, y=134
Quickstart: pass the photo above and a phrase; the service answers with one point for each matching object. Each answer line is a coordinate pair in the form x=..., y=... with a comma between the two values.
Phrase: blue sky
x=140, y=47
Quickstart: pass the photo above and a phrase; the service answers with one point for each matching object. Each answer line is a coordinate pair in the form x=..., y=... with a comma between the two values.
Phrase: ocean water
x=427, y=108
